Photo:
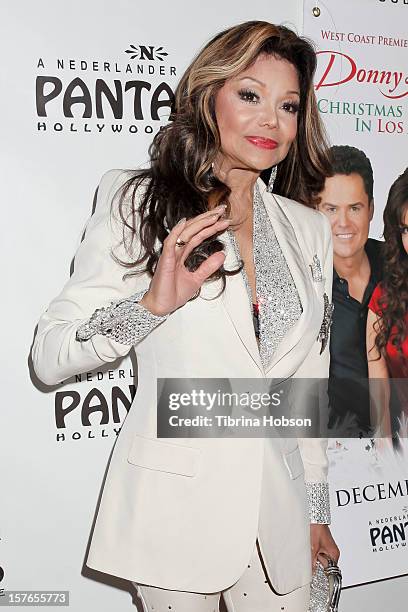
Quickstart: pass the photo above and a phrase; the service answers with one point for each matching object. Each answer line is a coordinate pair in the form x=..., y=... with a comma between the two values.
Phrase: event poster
x=362, y=92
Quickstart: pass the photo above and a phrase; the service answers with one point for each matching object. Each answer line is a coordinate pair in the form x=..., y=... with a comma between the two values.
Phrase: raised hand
x=173, y=284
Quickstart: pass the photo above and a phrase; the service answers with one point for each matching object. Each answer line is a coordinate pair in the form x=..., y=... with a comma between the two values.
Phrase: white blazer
x=184, y=514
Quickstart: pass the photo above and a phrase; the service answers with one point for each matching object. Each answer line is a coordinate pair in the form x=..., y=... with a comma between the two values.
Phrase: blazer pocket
x=154, y=454
x=294, y=463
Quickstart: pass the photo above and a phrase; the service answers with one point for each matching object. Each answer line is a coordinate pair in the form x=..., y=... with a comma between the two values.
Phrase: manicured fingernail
x=181, y=221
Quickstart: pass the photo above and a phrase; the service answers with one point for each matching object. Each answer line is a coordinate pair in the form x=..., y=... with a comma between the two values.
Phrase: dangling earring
x=212, y=171
x=272, y=178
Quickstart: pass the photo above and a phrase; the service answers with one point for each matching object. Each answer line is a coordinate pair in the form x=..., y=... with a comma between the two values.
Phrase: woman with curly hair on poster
x=387, y=322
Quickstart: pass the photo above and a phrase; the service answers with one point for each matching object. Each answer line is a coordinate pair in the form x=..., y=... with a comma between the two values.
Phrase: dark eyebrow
x=263, y=84
x=335, y=205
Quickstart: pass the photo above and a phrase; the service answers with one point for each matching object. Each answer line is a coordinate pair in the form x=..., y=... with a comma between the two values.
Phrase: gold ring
x=180, y=242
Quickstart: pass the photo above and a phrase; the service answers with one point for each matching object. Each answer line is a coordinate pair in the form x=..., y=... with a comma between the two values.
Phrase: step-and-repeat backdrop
x=85, y=86
x=362, y=91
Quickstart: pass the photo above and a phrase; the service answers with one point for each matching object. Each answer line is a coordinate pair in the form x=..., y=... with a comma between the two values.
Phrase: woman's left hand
x=321, y=541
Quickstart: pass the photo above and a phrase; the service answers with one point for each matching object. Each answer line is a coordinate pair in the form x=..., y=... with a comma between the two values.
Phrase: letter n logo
x=146, y=52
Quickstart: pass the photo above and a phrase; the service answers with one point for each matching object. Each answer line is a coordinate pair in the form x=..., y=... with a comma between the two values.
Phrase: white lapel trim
x=236, y=303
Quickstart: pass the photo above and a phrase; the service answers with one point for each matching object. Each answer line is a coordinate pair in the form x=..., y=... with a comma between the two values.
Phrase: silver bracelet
x=125, y=321
x=319, y=502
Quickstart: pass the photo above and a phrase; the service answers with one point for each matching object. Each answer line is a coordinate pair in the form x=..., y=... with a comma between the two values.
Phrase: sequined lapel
x=278, y=298
x=286, y=236
x=235, y=297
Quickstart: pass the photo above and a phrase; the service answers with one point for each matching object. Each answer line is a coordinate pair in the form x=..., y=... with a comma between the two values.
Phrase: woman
x=387, y=337
x=187, y=519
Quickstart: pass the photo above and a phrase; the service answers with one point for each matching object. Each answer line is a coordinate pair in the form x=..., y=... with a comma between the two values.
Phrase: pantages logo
x=389, y=532
x=96, y=96
x=97, y=411
x=395, y=1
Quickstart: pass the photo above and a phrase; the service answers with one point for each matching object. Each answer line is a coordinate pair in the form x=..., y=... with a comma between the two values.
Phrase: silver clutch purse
x=325, y=586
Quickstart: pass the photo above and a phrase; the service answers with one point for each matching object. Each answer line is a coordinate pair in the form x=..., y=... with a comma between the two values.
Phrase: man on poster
x=347, y=201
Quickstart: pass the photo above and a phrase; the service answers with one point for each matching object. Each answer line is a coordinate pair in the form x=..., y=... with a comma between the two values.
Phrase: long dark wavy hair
x=394, y=301
x=180, y=182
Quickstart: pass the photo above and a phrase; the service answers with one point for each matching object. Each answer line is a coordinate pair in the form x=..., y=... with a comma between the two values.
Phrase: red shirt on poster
x=397, y=363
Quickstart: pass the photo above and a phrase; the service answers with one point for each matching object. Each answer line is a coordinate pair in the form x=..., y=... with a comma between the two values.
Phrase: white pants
x=251, y=593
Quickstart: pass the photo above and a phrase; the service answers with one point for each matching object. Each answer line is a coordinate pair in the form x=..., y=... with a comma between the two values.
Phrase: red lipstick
x=263, y=143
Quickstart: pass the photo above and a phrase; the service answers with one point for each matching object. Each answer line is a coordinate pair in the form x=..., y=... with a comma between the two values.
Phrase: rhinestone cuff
x=124, y=321
x=319, y=502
